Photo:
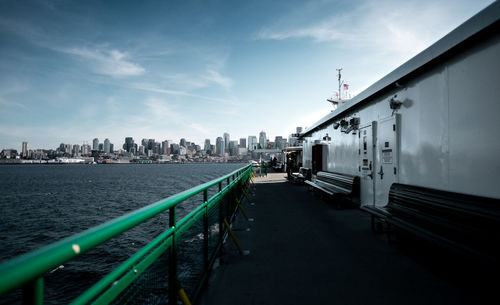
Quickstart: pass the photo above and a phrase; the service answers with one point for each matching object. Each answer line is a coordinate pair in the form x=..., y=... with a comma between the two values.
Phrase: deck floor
x=304, y=250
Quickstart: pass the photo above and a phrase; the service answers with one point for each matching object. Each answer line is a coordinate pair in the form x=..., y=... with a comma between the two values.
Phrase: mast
x=340, y=83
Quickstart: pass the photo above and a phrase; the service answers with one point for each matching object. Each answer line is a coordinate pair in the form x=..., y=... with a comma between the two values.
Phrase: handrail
x=29, y=267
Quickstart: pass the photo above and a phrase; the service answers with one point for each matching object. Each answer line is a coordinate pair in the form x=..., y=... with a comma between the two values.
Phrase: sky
x=71, y=71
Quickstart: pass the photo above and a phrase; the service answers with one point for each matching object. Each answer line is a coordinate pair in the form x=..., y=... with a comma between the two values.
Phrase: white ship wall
x=447, y=135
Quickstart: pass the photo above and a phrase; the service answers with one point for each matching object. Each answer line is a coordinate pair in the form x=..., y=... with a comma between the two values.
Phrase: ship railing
x=159, y=257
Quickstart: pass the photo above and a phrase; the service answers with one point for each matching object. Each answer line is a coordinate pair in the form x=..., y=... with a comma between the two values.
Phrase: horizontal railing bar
x=27, y=267
x=212, y=201
x=114, y=275
x=132, y=274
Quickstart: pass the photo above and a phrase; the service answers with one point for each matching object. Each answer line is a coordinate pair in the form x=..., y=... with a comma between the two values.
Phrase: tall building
x=76, y=151
x=100, y=147
x=243, y=143
x=279, y=142
x=129, y=143
x=233, y=148
x=25, y=148
x=262, y=140
x=220, y=147
x=183, y=142
x=206, y=147
x=252, y=143
x=226, y=141
x=95, y=144
x=85, y=149
x=165, y=148
x=106, y=146
x=67, y=148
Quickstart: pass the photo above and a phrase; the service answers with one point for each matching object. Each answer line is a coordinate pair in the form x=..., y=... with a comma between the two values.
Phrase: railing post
x=205, y=232
x=33, y=292
x=221, y=215
x=172, y=261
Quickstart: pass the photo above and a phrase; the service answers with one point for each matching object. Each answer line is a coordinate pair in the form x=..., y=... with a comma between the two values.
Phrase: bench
x=336, y=183
x=467, y=223
x=300, y=177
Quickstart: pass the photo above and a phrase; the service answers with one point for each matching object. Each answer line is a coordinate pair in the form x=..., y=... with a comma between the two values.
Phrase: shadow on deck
x=305, y=251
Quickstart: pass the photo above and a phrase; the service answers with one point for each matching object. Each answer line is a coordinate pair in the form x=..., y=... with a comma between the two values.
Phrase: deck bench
x=467, y=223
x=335, y=183
x=301, y=176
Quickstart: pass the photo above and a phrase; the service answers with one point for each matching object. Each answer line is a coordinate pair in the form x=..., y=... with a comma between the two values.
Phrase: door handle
x=381, y=173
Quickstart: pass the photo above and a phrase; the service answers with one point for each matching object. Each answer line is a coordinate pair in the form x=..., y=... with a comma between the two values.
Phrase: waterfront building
x=220, y=147
x=129, y=143
x=226, y=141
x=67, y=148
x=24, y=151
x=262, y=139
x=233, y=148
x=106, y=146
x=174, y=148
x=252, y=143
x=85, y=149
x=75, y=151
x=95, y=144
x=182, y=150
x=207, y=145
x=157, y=148
x=279, y=142
x=151, y=145
x=165, y=148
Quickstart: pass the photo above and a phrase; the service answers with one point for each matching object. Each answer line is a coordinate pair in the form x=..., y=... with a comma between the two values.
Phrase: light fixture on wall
x=327, y=138
x=394, y=103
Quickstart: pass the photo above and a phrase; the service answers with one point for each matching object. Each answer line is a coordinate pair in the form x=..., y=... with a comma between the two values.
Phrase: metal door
x=387, y=157
x=366, y=163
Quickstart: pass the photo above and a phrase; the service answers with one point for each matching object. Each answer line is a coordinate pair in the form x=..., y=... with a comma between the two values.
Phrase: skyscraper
x=183, y=142
x=25, y=149
x=165, y=147
x=206, y=147
x=243, y=143
x=76, y=151
x=95, y=144
x=220, y=147
x=106, y=146
x=129, y=143
x=226, y=141
x=262, y=140
x=252, y=143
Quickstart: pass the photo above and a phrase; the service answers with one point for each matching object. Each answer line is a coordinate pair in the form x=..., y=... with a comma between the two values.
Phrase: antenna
x=340, y=83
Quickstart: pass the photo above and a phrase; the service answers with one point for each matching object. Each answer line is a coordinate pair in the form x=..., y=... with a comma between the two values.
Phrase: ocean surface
x=41, y=204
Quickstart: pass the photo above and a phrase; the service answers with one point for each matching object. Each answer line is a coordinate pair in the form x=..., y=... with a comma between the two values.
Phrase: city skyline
x=101, y=141
x=73, y=71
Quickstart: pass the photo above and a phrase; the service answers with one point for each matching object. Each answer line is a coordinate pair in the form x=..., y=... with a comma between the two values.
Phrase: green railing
x=27, y=271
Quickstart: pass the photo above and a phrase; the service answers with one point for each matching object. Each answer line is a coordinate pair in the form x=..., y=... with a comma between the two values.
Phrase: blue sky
x=71, y=71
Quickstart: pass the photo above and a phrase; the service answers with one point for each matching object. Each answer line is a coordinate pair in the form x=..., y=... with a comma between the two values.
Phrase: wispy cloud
x=153, y=88
x=108, y=62
x=215, y=77
x=379, y=26
x=4, y=102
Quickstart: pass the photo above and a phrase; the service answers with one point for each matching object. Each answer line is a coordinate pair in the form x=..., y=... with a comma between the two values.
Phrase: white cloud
x=215, y=77
x=393, y=28
x=153, y=88
x=108, y=62
x=12, y=104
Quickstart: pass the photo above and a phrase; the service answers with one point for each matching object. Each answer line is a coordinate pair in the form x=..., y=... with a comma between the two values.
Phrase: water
x=40, y=204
